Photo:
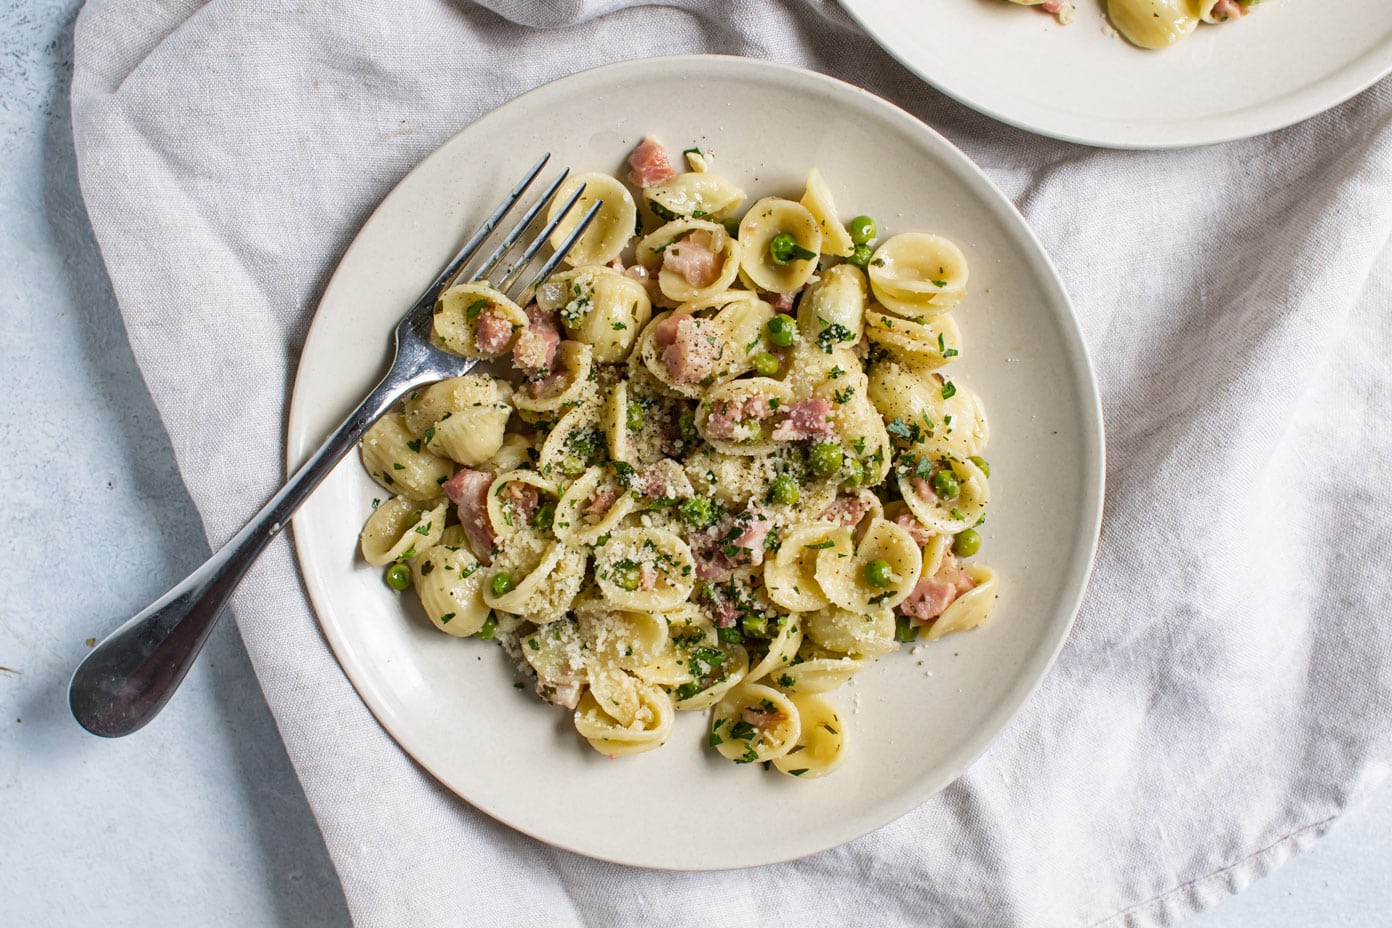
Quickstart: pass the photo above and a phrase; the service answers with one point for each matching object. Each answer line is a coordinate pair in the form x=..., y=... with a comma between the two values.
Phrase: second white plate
x=1287, y=61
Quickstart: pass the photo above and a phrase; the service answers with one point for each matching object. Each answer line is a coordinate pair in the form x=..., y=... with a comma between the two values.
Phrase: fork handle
x=125, y=681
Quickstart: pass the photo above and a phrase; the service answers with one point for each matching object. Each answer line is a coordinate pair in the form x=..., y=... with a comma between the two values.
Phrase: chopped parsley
x=832, y=335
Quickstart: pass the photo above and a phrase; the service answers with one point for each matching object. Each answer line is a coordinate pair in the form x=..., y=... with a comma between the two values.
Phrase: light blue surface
x=198, y=820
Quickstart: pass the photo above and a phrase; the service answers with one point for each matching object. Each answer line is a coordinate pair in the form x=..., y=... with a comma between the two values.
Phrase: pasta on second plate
x=729, y=468
x=1155, y=23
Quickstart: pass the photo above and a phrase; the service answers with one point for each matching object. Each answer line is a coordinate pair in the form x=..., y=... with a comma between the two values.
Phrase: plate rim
x=1146, y=137
x=1027, y=679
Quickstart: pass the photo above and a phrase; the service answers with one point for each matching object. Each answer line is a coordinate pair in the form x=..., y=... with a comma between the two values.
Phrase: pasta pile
x=1155, y=23
x=723, y=477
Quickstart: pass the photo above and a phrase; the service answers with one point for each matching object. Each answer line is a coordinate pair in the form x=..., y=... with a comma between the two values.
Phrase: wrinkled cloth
x=1225, y=691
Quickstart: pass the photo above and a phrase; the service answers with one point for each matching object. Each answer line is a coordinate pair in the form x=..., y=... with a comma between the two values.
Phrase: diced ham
x=923, y=488
x=665, y=333
x=752, y=539
x=652, y=484
x=712, y=564
x=934, y=594
x=567, y=695
x=493, y=332
x=783, y=302
x=650, y=163
x=664, y=479
x=523, y=499
x=810, y=418
x=726, y=417
x=928, y=599
x=1063, y=9
x=601, y=501
x=535, y=350
x=468, y=490
x=544, y=386
x=734, y=541
x=849, y=509
x=647, y=577
x=762, y=717
x=919, y=532
x=690, y=356
x=1225, y=10
x=693, y=258
x=724, y=609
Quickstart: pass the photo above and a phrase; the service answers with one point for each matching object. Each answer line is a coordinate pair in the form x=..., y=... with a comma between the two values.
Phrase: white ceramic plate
x=915, y=720
x=1287, y=61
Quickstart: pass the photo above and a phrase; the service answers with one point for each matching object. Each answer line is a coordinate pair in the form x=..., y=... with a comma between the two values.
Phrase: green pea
x=861, y=256
x=878, y=573
x=825, y=458
x=633, y=417
x=686, y=423
x=855, y=472
x=398, y=577
x=697, y=512
x=731, y=226
x=756, y=625
x=489, y=625
x=904, y=629
x=862, y=229
x=782, y=331
x=945, y=484
x=544, y=516
x=731, y=635
x=501, y=583
x=766, y=364
x=966, y=543
x=627, y=576
x=570, y=466
x=784, y=490
x=784, y=248
x=980, y=462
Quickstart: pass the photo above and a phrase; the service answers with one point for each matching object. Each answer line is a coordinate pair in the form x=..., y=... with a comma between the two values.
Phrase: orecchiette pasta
x=599, y=306
x=611, y=229
x=917, y=274
x=818, y=201
x=1155, y=23
x=733, y=504
x=398, y=529
x=755, y=723
x=476, y=321
x=919, y=343
x=694, y=195
x=782, y=240
x=821, y=741
x=692, y=258
x=448, y=580
x=400, y=463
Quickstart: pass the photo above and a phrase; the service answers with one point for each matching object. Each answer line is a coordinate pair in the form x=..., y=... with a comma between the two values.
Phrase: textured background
x=199, y=818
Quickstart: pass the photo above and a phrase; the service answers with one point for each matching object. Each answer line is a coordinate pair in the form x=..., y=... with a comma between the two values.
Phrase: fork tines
x=517, y=267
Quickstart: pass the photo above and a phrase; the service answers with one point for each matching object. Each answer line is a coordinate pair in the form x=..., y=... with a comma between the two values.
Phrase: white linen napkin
x=1225, y=692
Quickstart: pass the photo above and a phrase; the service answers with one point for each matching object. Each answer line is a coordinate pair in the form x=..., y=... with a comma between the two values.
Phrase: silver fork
x=130, y=675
